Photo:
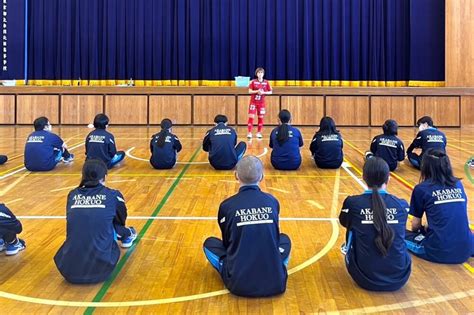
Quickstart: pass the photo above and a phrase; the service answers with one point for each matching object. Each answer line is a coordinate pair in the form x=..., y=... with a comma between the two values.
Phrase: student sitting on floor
x=252, y=256
x=387, y=145
x=285, y=140
x=326, y=146
x=9, y=228
x=376, y=256
x=95, y=217
x=427, y=138
x=100, y=144
x=44, y=149
x=164, y=147
x=446, y=238
x=221, y=143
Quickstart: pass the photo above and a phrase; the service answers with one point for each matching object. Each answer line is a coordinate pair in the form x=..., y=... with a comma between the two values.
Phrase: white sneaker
x=259, y=135
x=3, y=246
x=249, y=135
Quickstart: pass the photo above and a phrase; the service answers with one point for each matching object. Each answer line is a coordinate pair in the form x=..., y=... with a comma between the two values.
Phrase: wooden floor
x=167, y=272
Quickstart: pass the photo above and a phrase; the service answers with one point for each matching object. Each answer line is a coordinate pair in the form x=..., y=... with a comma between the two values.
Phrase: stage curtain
x=209, y=42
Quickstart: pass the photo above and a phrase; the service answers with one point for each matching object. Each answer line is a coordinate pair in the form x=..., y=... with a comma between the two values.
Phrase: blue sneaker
x=126, y=243
x=13, y=249
x=69, y=159
x=2, y=245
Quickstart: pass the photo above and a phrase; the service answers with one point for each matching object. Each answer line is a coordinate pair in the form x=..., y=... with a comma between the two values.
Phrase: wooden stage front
x=450, y=107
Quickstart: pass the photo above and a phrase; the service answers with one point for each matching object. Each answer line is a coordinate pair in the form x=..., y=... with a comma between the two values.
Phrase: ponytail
x=385, y=235
x=166, y=124
x=376, y=174
x=283, y=132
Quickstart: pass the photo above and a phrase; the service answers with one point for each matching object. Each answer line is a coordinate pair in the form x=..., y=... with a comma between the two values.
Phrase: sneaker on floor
x=259, y=135
x=471, y=163
x=13, y=249
x=344, y=249
x=69, y=159
x=2, y=245
x=126, y=243
x=249, y=135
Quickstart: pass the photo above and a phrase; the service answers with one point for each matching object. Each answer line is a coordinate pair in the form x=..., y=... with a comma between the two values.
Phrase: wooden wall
x=369, y=107
x=460, y=43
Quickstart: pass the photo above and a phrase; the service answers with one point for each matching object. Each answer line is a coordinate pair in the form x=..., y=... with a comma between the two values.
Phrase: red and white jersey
x=257, y=85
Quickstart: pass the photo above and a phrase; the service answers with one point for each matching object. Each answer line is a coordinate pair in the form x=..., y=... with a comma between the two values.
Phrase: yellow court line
x=12, y=169
x=469, y=267
x=330, y=244
x=316, y=204
x=12, y=185
x=187, y=175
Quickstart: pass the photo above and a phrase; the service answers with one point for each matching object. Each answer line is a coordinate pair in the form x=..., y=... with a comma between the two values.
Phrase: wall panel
x=127, y=109
x=444, y=110
x=305, y=110
x=402, y=109
x=7, y=109
x=348, y=110
x=80, y=109
x=175, y=107
x=206, y=107
x=30, y=107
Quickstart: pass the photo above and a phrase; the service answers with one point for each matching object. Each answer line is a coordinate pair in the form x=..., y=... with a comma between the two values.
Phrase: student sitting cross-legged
x=427, y=138
x=446, y=237
x=44, y=149
x=376, y=255
x=387, y=145
x=10, y=227
x=326, y=146
x=95, y=217
x=252, y=256
x=285, y=140
x=164, y=147
x=221, y=143
x=100, y=144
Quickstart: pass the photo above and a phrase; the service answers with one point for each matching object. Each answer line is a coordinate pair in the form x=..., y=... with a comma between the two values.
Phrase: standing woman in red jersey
x=258, y=88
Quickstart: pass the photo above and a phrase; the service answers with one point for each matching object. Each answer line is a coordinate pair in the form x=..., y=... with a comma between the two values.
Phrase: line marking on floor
x=177, y=218
x=328, y=246
x=316, y=204
x=407, y=304
x=279, y=190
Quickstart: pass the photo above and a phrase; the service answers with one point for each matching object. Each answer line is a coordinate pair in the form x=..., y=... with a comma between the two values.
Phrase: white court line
x=129, y=154
x=24, y=168
x=278, y=189
x=60, y=217
x=121, y=181
x=358, y=180
x=316, y=204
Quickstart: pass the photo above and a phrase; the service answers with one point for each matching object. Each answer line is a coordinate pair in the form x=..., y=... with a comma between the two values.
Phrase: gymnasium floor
x=174, y=211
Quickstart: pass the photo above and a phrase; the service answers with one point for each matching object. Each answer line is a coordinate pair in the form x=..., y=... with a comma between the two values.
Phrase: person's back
x=164, y=147
x=327, y=150
x=287, y=154
x=90, y=251
x=448, y=238
x=376, y=254
x=366, y=264
x=390, y=148
x=220, y=142
x=326, y=145
x=252, y=255
x=42, y=151
x=285, y=140
x=100, y=144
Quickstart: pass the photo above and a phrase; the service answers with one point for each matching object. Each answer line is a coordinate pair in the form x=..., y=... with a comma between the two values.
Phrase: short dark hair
x=220, y=119
x=390, y=128
x=40, y=123
x=101, y=121
x=259, y=69
x=425, y=119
